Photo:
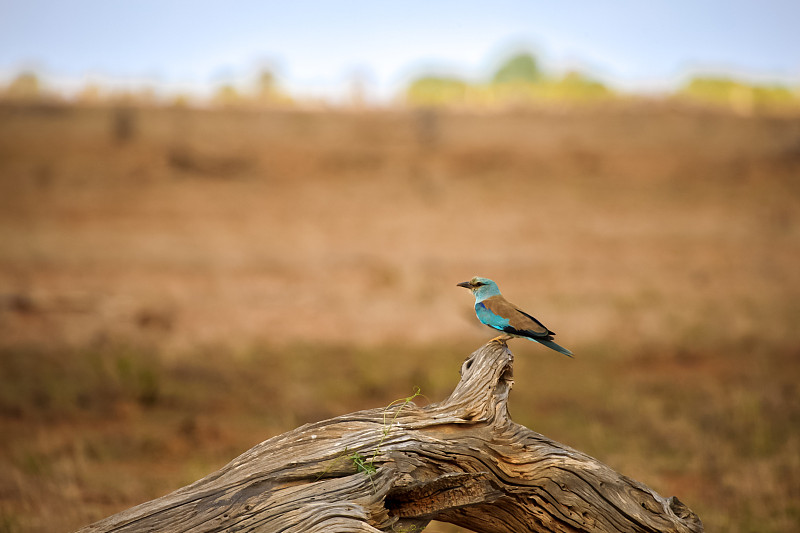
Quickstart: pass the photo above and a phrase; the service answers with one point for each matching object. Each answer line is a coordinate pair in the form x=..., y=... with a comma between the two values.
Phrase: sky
x=317, y=48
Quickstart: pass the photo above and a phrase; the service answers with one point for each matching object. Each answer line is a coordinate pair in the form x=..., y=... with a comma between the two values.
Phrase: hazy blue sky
x=316, y=47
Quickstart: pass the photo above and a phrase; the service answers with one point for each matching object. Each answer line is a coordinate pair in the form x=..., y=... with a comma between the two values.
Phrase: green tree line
x=518, y=81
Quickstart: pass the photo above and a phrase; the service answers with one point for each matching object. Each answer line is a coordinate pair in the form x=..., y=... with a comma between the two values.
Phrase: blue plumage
x=490, y=319
x=498, y=313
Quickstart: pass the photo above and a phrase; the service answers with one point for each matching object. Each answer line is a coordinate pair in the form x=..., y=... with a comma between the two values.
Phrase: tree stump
x=462, y=460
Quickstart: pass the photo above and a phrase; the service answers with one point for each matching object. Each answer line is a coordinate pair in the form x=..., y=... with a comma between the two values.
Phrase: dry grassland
x=177, y=285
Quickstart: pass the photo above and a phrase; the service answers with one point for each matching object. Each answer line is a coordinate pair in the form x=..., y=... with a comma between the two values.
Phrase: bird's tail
x=554, y=346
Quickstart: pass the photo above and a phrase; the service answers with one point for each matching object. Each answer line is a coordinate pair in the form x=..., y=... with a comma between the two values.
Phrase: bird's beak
x=465, y=284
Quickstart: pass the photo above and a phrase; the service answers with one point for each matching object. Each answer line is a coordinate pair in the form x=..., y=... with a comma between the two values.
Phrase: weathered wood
x=461, y=461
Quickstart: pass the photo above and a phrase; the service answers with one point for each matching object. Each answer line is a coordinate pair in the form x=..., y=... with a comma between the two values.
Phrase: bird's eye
x=479, y=284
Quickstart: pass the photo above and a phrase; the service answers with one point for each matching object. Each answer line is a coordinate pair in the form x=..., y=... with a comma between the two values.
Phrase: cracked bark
x=462, y=460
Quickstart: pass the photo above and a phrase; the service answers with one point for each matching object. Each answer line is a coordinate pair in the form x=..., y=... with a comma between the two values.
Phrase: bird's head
x=481, y=287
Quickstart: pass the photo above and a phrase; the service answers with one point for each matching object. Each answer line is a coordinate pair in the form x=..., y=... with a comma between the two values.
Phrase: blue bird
x=498, y=313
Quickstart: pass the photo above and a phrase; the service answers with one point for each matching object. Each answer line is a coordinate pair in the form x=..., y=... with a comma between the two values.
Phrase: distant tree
x=181, y=100
x=25, y=86
x=266, y=89
x=91, y=93
x=227, y=95
x=521, y=68
x=577, y=86
x=709, y=88
x=266, y=81
x=740, y=96
x=435, y=90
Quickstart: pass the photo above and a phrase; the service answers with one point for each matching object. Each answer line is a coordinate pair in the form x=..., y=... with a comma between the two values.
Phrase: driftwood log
x=462, y=461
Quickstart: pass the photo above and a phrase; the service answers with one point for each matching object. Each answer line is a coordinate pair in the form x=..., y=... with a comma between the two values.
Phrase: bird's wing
x=518, y=322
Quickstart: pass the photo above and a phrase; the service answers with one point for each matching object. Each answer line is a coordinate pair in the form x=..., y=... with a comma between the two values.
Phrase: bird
x=498, y=313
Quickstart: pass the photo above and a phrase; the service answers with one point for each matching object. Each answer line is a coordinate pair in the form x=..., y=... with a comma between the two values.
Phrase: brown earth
x=177, y=285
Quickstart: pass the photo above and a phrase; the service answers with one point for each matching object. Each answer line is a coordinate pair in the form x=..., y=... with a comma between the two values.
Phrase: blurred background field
x=188, y=268
x=181, y=284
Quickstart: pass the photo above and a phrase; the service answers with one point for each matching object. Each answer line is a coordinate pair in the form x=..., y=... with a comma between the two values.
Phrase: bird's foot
x=502, y=339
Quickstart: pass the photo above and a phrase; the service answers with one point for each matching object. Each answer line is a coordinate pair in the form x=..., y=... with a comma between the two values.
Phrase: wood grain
x=462, y=460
